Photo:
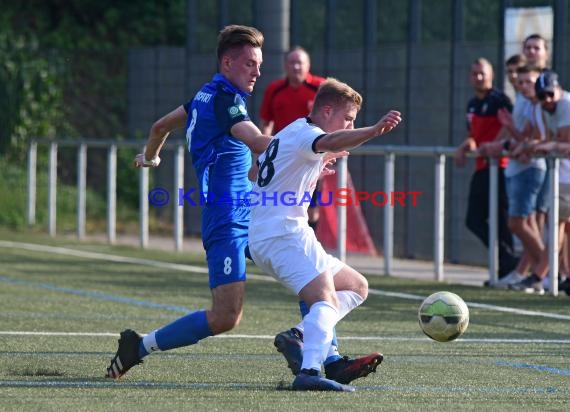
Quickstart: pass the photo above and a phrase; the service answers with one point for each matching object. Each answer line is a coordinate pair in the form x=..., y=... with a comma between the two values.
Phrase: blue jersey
x=221, y=161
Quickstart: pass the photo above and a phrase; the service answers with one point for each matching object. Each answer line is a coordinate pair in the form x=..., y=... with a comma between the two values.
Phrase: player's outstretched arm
x=248, y=133
x=350, y=138
x=157, y=136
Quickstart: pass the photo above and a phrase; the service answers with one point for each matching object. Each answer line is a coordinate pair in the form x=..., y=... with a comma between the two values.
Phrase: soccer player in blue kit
x=221, y=138
x=220, y=135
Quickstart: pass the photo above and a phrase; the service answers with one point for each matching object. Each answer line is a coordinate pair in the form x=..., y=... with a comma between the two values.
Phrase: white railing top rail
x=364, y=150
x=389, y=152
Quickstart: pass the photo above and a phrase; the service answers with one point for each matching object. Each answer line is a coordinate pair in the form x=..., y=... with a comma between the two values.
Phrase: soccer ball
x=443, y=316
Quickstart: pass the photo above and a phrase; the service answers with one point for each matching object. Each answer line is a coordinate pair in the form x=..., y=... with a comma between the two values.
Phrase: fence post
x=112, y=194
x=52, y=188
x=493, y=219
x=178, y=209
x=32, y=170
x=342, y=181
x=81, y=189
x=389, y=167
x=143, y=206
x=553, y=225
x=439, y=215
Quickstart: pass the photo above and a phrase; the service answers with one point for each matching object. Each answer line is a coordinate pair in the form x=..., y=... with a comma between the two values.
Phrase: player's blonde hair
x=336, y=93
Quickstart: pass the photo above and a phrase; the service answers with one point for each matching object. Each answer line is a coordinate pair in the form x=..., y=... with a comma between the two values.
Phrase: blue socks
x=184, y=331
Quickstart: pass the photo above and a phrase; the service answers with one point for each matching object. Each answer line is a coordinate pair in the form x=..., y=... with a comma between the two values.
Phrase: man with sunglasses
x=555, y=104
x=524, y=176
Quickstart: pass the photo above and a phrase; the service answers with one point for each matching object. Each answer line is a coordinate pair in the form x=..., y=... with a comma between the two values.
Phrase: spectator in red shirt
x=484, y=126
x=287, y=99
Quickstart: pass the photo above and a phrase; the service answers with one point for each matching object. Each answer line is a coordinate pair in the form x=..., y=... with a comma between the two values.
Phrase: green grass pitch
x=61, y=314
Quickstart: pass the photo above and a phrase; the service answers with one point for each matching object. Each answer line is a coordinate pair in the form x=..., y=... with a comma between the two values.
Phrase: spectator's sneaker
x=310, y=380
x=127, y=355
x=565, y=286
x=290, y=344
x=346, y=370
x=561, y=279
x=531, y=284
x=510, y=279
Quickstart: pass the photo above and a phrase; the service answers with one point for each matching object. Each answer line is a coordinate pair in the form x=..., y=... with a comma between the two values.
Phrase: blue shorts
x=522, y=191
x=226, y=260
x=224, y=235
x=543, y=201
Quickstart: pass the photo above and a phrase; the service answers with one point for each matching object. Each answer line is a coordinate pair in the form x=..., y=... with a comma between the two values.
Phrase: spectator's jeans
x=523, y=190
x=477, y=219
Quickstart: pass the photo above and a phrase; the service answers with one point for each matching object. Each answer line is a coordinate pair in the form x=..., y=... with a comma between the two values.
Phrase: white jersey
x=288, y=174
x=554, y=121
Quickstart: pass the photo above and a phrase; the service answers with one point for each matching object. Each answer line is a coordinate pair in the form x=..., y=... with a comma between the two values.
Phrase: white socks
x=347, y=301
x=318, y=334
x=149, y=342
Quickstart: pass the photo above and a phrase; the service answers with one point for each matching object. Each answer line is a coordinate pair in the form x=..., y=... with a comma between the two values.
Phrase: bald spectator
x=484, y=126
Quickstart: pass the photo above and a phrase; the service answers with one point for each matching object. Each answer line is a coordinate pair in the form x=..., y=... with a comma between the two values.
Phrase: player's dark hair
x=516, y=60
x=335, y=93
x=234, y=37
x=536, y=36
x=527, y=68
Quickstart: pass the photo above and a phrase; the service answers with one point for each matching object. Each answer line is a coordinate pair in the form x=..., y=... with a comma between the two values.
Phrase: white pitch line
x=271, y=386
x=198, y=269
x=100, y=256
x=518, y=311
x=476, y=305
x=113, y=258
x=271, y=337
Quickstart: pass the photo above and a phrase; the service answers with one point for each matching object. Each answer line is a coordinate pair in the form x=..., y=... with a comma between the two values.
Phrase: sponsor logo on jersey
x=203, y=97
x=237, y=110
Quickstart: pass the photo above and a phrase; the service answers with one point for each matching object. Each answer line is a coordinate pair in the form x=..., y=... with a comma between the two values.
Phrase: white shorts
x=294, y=259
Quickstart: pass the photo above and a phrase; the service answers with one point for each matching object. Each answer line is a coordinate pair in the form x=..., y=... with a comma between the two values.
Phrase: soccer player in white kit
x=280, y=240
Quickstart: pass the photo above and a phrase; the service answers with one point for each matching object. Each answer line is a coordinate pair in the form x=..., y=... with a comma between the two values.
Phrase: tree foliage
x=63, y=69
x=99, y=25
x=30, y=93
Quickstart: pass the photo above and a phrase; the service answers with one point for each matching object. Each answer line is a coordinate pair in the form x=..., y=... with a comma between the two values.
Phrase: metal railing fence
x=389, y=153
